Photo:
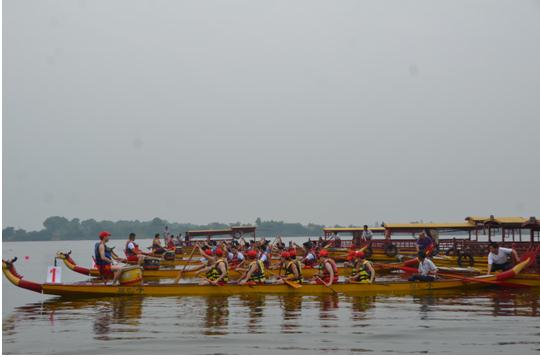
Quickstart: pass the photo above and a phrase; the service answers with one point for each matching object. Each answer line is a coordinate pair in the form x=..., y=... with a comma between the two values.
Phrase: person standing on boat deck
x=156, y=245
x=426, y=269
x=423, y=243
x=104, y=260
x=133, y=253
x=255, y=273
x=366, y=235
x=362, y=271
x=328, y=271
x=500, y=258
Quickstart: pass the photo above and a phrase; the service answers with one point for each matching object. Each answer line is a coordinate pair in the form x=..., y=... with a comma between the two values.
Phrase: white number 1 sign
x=54, y=275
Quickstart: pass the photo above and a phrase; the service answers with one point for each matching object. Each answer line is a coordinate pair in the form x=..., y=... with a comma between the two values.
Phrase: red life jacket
x=129, y=252
x=170, y=244
x=326, y=273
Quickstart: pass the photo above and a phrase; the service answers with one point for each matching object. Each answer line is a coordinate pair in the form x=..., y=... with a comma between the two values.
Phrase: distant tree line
x=61, y=228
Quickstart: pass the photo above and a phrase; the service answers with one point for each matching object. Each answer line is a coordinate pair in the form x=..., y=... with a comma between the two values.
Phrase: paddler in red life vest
x=218, y=274
x=328, y=271
x=362, y=271
x=255, y=273
x=104, y=260
x=170, y=242
x=132, y=251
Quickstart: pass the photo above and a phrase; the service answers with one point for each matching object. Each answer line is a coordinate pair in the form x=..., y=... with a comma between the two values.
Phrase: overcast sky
x=334, y=112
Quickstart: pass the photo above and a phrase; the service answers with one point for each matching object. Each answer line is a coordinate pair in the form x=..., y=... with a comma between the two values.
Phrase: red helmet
x=104, y=234
x=285, y=255
x=251, y=254
x=219, y=252
x=359, y=254
x=323, y=253
x=208, y=252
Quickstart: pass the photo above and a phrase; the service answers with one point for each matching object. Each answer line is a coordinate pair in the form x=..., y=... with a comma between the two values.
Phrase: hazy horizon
x=303, y=111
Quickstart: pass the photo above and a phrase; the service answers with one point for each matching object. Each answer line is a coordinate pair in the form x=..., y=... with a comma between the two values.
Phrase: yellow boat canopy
x=236, y=232
x=419, y=226
x=352, y=229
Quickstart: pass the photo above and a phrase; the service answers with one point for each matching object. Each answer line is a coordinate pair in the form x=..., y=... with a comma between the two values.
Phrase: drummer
x=156, y=245
x=132, y=251
x=104, y=259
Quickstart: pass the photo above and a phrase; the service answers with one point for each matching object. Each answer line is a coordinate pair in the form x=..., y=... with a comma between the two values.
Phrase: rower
x=426, y=269
x=235, y=257
x=104, y=260
x=218, y=274
x=170, y=242
x=255, y=273
x=310, y=259
x=500, y=258
x=362, y=271
x=293, y=271
x=266, y=255
x=132, y=251
x=156, y=245
x=206, y=258
x=328, y=271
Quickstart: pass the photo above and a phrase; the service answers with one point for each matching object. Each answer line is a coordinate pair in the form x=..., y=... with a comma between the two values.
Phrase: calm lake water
x=454, y=322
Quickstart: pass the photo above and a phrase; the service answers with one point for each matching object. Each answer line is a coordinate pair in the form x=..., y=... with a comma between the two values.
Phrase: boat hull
x=92, y=290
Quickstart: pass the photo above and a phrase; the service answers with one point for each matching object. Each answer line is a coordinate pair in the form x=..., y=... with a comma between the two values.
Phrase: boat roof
x=352, y=229
x=220, y=232
x=420, y=226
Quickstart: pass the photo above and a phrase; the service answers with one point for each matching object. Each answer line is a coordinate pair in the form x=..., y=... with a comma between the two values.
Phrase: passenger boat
x=93, y=289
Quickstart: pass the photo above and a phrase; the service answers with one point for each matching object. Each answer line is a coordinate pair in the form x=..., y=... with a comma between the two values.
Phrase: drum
x=130, y=276
x=169, y=256
x=151, y=264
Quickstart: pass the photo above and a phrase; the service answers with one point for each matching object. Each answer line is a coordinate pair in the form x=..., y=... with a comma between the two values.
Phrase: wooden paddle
x=476, y=280
x=185, y=266
x=292, y=284
x=471, y=280
x=323, y=283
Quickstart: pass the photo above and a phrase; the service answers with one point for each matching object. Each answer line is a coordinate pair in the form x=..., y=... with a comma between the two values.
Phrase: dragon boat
x=133, y=285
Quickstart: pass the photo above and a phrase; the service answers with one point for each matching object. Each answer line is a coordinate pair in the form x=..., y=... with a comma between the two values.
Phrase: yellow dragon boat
x=138, y=288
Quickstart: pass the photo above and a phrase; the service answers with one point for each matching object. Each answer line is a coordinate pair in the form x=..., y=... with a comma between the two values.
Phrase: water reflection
x=216, y=317
x=360, y=305
x=291, y=307
x=255, y=305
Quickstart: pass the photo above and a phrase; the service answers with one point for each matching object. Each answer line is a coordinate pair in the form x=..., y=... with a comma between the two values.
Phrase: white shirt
x=501, y=257
x=426, y=267
x=264, y=257
x=367, y=234
x=310, y=256
x=239, y=256
x=131, y=246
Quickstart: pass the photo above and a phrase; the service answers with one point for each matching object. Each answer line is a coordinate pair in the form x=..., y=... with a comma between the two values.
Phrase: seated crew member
x=328, y=271
x=310, y=259
x=293, y=271
x=427, y=271
x=500, y=258
x=207, y=259
x=235, y=258
x=255, y=273
x=133, y=253
x=170, y=242
x=266, y=255
x=218, y=274
x=104, y=260
x=423, y=243
x=156, y=245
x=362, y=271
